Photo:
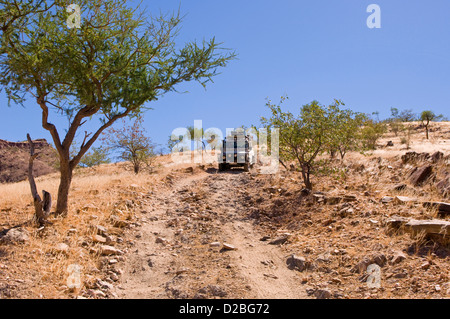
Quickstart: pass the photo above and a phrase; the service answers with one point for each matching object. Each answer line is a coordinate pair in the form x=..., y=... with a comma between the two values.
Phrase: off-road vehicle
x=236, y=152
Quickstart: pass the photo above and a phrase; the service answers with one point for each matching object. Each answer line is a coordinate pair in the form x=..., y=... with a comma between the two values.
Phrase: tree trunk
x=62, y=205
x=426, y=128
x=41, y=207
x=136, y=168
x=306, y=176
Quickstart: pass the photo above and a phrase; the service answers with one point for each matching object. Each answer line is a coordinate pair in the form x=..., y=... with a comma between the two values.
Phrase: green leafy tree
x=428, y=116
x=370, y=132
x=346, y=127
x=304, y=137
x=110, y=68
x=96, y=156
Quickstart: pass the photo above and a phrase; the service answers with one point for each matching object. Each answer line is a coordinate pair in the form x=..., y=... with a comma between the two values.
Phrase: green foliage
x=315, y=130
x=118, y=60
x=96, y=156
x=370, y=133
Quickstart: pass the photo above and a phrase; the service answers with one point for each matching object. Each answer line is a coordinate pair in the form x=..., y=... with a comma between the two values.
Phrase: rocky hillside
x=14, y=158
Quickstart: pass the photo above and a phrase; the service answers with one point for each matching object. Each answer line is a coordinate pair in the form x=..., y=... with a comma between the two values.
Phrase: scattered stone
x=99, y=239
x=117, y=222
x=404, y=200
x=297, y=263
x=425, y=265
x=61, y=248
x=399, y=187
x=398, y=257
x=390, y=143
x=101, y=230
x=16, y=235
x=107, y=250
x=443, y=208
x=264, y=238
x=333, y=200
x=387, y=199
x=419, y=175
x=323, y=294
x=215, y=244
x=214, y=290
x=412, y=157
x=161, y=240
x=443, y=186
x=104, y=285
x=280, y=240
x=270, y=276
x=226, y=246
x=377, y=258
x=437, y=156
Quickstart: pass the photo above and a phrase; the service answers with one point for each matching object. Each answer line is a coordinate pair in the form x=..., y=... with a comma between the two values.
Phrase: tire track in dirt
x=173, y=256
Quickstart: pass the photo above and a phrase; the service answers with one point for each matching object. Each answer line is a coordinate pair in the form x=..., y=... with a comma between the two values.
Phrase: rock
x=189, y=169
x=387, y=199
x=425, y=265
x=390, y=143
x=442, y=208
x=96, y=293
x=99, y=239
x=399, y=187
x=420, y=175
x=16, y=235
x=226, y=246
x=61, y=248
x=443, y=186
x=106, y=250
x=398, y=257
x=323, y=294
x=349, y=198
x=161, y=240
x=214, y=244
x=101, y=230
x=437, y=156
x=297, y=263
x=333, y=200
x=117, y=222
x=377, y=258
x=214, y=290
x=404, y=200
x=412, y=157
x=323, y=258
x=280, y=240
x=104, y=285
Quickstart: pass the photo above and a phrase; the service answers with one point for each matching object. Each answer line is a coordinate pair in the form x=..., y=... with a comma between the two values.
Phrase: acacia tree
x=428, y=116
x=108, y=69
x=303, y=137
x=132, y=144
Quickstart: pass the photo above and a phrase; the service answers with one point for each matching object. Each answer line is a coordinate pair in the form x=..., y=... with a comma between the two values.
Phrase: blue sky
x=308, y=50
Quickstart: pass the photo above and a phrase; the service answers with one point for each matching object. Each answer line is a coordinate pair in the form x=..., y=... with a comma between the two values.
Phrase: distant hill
x=14, y=158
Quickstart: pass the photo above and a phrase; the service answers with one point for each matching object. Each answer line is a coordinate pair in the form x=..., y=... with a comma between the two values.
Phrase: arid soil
x=189, y=231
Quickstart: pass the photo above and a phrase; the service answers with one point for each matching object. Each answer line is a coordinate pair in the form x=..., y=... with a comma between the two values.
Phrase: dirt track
x=173, y=256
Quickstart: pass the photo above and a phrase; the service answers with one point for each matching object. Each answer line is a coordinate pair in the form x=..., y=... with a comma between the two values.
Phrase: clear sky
x=308, y=50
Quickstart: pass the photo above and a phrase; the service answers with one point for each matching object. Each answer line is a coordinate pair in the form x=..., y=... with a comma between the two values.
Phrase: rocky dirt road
x=199, y=243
